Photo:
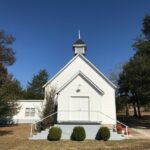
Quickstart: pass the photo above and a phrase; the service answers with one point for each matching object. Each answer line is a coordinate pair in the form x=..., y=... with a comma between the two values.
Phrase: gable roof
x=89, y=63
x=81, y=74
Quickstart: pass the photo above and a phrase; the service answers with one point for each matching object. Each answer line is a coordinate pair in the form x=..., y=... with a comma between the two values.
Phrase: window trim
x=29, y=112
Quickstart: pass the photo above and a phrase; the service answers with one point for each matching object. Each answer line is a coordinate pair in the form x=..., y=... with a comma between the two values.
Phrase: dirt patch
x=15, y=131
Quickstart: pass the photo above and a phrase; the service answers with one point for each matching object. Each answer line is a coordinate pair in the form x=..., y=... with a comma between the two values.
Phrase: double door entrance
x=79, y=109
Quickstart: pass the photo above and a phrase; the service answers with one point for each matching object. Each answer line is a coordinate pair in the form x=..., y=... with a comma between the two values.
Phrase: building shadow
x=7, y=122
x=4, y=133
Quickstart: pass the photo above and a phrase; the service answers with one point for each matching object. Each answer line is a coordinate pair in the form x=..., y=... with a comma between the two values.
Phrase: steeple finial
x=79, y=36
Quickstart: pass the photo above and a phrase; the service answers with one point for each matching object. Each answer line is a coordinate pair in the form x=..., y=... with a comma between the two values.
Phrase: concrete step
x=40, y=135
x=116, y=136
x=90, y=129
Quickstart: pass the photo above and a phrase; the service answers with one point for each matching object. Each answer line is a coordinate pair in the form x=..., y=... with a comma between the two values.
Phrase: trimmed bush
x=103, y=134
x=54, y=134
x=78, y=134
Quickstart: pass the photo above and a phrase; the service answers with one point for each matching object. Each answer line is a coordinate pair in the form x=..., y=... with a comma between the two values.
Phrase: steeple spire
x=79, y=36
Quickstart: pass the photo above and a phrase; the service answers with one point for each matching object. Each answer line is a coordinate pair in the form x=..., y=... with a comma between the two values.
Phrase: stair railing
x=126, y=127
x=34, y=124
x=31, y=131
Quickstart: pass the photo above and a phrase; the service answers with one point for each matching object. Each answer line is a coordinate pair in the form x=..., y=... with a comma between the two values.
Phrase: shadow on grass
x=7, y=122
x=8, y=125
x=3, y=133
x=134, y=122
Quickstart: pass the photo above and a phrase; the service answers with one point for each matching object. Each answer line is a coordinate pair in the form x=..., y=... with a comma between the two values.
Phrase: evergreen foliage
x=54, y=134
x=103, y=134
x=10, y=92
x=78, y=134
x=10, y=88
x=134, y=80
x=35, y=88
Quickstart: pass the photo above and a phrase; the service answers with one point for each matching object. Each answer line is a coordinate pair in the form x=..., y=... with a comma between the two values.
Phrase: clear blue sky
x=46, y=29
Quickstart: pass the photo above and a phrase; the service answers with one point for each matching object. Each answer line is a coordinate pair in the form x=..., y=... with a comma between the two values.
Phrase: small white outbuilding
x=84, y=94
x=29, y=111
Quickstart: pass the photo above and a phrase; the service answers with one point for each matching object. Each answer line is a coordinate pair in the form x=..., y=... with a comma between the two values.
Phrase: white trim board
x=85, y=78
x=31, y=100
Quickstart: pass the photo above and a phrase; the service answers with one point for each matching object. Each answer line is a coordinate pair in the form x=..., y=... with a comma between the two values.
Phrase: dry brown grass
x=15, y=138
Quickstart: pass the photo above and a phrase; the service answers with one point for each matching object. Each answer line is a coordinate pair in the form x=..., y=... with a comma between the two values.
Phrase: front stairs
x=90, y=129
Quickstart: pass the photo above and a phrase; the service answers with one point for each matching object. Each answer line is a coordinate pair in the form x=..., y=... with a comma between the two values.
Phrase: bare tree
x=49, y=108
x=7, y=54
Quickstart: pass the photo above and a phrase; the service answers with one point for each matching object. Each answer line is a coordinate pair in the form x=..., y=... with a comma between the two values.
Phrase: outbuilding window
x=30, y=112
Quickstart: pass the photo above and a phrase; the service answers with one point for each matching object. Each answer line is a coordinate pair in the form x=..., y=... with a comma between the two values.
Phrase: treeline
x=134, y=80
x=10, y=88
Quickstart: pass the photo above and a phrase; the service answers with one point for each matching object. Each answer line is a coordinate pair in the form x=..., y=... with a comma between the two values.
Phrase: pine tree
x=35, y=86
x=134, y=80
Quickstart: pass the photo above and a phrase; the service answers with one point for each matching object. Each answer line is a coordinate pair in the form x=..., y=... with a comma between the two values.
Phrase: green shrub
x=78, y=134
x=103, y=134
x=54, y=134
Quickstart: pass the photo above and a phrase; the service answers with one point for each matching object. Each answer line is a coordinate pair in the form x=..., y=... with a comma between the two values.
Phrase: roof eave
x=95, y=68
x=78, y=45
x=85, y=78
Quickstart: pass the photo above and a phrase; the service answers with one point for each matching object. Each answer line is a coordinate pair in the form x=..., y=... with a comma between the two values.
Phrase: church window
x=30, y=112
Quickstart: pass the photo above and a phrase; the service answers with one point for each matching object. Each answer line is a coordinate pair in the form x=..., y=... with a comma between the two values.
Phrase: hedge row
x=78, y=134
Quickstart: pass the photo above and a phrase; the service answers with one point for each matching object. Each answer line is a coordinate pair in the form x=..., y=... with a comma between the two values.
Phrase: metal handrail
x=96, y=111
x=117, y=122
x=31, y=131
x=106, y=116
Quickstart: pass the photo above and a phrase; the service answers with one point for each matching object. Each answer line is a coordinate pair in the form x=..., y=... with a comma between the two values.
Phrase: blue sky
x=46, y=29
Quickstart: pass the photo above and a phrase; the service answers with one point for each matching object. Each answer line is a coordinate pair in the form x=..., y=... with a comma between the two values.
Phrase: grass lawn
x=15, y=138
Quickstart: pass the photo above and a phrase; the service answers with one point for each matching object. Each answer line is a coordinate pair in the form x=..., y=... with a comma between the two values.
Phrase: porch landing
x=90, y=129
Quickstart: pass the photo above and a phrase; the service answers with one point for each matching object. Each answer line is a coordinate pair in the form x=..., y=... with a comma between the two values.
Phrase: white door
x=79, y=109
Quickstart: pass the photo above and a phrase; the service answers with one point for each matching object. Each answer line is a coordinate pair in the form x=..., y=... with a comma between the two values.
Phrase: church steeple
x=79, y=46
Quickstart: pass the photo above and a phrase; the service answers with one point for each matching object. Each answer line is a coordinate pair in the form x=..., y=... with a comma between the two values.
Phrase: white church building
x=84, y=94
